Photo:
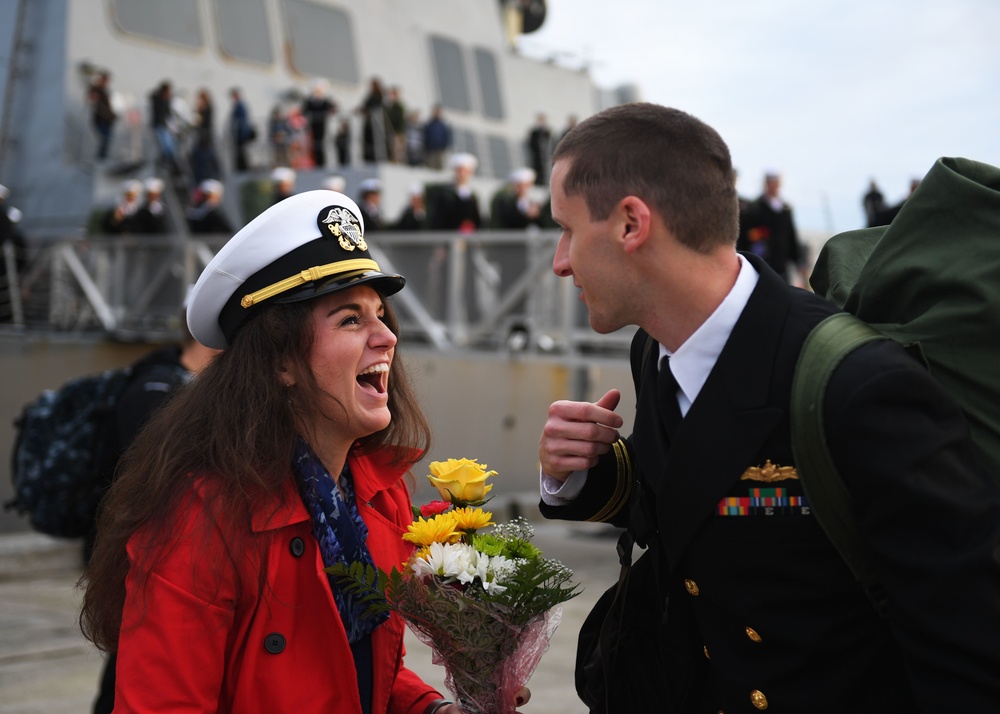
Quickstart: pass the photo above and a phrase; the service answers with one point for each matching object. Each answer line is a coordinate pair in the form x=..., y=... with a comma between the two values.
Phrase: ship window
x=321, y=41
x=243, y=30
x=449, y=68
x=176, y=22
x=465, y=141
x=499, y=156
x=489, y=85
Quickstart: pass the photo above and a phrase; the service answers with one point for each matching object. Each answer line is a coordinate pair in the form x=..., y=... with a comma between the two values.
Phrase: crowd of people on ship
x=297, y=136
x=316, y=132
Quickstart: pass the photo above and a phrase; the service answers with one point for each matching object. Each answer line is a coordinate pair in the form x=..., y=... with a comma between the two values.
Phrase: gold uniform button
x=692, y=586
x=758, y=699
x=752, y=634
x=705, y=650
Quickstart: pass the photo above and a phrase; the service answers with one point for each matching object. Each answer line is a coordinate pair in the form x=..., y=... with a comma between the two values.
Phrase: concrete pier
x=47, y=667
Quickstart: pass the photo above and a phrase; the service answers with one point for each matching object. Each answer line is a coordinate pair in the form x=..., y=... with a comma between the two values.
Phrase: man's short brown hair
x=674, y=162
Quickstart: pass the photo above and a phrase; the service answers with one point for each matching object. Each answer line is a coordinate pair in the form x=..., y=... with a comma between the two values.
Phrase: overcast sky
x=830, y=93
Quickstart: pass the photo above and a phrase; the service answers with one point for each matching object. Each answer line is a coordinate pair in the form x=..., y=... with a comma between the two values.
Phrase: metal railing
x=485, y=291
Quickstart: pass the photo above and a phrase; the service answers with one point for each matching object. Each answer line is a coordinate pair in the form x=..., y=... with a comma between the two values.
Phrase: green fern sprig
x=369, y=585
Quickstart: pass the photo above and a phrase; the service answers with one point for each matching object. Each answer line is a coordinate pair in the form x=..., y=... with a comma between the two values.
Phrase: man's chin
x=602, y=328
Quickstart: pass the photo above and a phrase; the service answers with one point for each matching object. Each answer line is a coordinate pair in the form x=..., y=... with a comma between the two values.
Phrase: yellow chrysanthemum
x=439, y=529
x=471, y=519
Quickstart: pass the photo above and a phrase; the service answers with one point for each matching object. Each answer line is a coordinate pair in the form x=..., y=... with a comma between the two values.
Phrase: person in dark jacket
x=767, y=229
x=317, y=109
x=123, y=217
x=151, y=218
x=455, y=206
x=162, y=120
x=208, y=215
x=156, y=376
x=370, y=203
x=414, y=216
x=437, y=139
x=754, y=607
x=512, y=206
x=241, y=130
x=102, y=114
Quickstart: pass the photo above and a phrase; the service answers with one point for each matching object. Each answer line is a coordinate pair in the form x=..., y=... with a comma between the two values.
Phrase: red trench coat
x=215, y=647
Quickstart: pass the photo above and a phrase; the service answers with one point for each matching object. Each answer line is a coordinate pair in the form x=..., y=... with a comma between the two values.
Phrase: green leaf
x=366, y=583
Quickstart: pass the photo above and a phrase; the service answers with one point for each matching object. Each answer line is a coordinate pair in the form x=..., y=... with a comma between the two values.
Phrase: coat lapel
x=726, y=426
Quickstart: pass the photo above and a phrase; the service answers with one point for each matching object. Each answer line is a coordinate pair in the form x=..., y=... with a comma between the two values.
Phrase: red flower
x=434, y=508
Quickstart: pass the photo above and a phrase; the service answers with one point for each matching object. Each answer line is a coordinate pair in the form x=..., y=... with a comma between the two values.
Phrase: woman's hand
x=520, y=699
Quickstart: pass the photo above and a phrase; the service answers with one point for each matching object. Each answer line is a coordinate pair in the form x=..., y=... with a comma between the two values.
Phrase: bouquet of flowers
x=486, y=603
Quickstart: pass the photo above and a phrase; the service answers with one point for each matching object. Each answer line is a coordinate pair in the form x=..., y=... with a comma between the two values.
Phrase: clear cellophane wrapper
x=487, y=653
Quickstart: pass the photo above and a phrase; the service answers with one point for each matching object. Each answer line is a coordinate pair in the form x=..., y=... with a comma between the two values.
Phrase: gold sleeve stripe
x=623, y=488
x=343, y=267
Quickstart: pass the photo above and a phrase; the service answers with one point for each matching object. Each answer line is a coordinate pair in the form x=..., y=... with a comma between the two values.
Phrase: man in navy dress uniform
x=755, y=609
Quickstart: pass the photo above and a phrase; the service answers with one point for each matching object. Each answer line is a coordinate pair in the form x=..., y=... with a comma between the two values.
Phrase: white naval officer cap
x=308, y=245
x=335, y=183
x=464, y=160
x=153, y=185
x=283, y=174
x=211, y=186
x=522, y=175
x=370, y=185
x=131, y=187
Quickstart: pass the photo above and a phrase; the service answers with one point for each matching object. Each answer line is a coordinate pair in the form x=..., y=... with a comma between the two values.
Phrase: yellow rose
x=460, y=480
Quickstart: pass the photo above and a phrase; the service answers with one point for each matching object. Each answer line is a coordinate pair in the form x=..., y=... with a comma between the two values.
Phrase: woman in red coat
x=287, y=454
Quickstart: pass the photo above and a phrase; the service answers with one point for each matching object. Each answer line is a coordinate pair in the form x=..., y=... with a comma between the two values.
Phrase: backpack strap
x=824, y=349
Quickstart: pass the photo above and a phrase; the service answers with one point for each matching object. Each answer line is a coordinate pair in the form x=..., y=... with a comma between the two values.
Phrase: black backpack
x=65, y=453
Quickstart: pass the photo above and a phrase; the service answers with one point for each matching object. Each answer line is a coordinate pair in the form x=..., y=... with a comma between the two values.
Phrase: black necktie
x=667, y=388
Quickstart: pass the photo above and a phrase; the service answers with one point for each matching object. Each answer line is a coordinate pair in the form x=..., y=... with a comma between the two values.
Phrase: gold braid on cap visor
x=343, y=268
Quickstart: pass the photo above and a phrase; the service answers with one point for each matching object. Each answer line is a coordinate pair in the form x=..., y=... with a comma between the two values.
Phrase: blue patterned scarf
x=340, y=532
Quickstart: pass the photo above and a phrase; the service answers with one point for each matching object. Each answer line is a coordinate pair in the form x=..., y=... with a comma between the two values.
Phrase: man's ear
x=636, y=222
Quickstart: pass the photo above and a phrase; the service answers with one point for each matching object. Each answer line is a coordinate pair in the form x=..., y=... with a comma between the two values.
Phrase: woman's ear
x=286, y=376
x=636, y=222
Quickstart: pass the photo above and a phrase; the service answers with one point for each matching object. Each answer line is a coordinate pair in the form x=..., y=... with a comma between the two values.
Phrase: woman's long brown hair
x=236, y=426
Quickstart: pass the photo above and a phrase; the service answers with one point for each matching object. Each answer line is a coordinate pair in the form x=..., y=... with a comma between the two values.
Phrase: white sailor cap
x=154, y=185
x=370, y=185
x=463, y=159
x=283, y=174
x=319, y=86
x=132, y=186
x=308, y=245
x=522, y=175
x=211, y=186
x=335, y=183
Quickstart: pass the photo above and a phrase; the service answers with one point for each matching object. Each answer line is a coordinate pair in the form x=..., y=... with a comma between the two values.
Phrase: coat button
x=752, y=634
x=758, y=699
x=705, y=650
x=297, y=547
x=274, y=643
x=691, y=586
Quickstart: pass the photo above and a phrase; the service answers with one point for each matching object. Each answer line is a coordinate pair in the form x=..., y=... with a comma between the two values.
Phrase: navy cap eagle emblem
x=344, y=226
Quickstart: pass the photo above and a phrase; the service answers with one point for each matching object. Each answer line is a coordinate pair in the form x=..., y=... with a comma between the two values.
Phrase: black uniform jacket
x=773, y=617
